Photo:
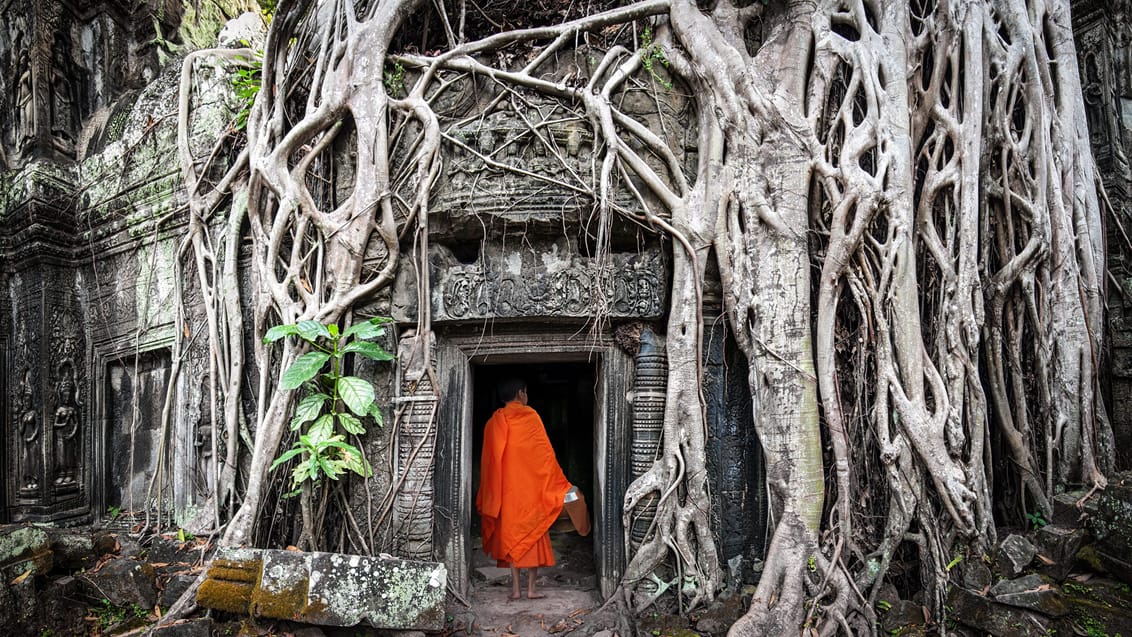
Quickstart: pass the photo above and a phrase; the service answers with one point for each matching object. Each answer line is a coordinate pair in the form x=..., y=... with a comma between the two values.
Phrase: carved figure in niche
x=63, y=107
x=25, y=100
x=202, y=440
x=66, y=426
x=28, y=424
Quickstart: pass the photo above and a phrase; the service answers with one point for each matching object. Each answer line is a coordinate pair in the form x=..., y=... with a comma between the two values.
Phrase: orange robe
x=521, y=488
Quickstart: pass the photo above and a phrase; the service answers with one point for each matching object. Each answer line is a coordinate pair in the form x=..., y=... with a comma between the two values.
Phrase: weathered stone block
x=189, y=628
x=1065, y=510
x=122, y=582
x=902, y=614
x=1057, y=549
x=974, y=575
x=73, y=549
x=23, y=548
x=175, y=586
x=1014, y=554
x=1033, y=592
x=1000, y=620
x=328, y=588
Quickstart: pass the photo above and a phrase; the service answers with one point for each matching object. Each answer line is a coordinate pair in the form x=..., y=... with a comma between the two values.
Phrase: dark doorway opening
x=563, y=394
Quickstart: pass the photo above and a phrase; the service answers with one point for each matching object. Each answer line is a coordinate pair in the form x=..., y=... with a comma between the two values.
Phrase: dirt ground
x=571, y=606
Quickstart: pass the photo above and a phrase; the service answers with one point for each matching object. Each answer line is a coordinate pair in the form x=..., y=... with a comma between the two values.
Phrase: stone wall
x=1103, y=31
x=92, y=211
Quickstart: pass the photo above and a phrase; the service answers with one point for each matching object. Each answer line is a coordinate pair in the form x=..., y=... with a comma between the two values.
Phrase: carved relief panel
x=50, y=440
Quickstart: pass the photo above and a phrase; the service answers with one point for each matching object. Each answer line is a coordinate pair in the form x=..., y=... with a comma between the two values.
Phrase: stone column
x=648, y=419
x=416, y=421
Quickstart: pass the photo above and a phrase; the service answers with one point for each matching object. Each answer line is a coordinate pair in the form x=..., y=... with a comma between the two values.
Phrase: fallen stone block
x=976, y=611
x=330, y=589
x=175, y=586
x=902, y=614
x=1057, y=549
x=73, y=549
x=1014, y=554
x=1066, y=511
x=1032, y=592
x=23, y=548
x=188, y=628
x=123, y=582
x=974, y=575
x=231, y=580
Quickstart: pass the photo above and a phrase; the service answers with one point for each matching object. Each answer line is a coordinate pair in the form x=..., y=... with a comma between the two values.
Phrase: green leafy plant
x=335, y=403
x=884, y=605
x=184, y=536
x=394, y=79
x=246, y=84
x=651, y=55
x=113, y=512
x=1037, y=520
x=107, y=614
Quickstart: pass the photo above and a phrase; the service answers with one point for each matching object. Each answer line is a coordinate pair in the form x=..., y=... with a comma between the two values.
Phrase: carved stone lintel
x=543, y=280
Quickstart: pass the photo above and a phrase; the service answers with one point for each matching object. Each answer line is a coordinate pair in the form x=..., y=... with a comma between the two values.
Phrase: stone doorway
x=462, y=357
x=564, y=395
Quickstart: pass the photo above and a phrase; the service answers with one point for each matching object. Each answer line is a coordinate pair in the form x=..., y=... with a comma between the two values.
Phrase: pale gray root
x=879, y=184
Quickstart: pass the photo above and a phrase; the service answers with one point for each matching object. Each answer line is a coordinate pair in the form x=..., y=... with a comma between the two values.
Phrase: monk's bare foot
x=535, y=596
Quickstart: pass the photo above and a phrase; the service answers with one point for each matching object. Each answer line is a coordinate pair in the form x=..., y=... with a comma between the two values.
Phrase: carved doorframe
x=457, y=350
x=103, y=353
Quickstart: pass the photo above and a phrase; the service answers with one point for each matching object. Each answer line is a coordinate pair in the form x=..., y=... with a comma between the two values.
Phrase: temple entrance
x=563, y=394
x=579, y=385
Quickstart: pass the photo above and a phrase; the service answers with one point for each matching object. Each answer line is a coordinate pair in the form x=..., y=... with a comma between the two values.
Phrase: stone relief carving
x=631, y=287
x=27, y=419
x=24, y=126
x=66, y=333
x=66, y=426
x=26, y=403
x=63, y=105
x=202, y=440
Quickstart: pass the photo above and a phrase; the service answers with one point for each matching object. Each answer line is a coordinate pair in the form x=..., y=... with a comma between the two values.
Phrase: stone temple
x=92, y=216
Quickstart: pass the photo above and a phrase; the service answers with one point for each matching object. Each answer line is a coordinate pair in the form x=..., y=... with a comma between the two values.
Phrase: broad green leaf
x=299, y=473
x=356, y=462
x=333, y=328
x=326, y=468
x=338, y=468
x=356, y=393
x=351, y=425
x=308, y=410
x=321, y=430
x=303, y=369
x=287, y=455
x=372, y=351
x=311, y=330
x=375, y=411
x=278, y=332
x=367, y=330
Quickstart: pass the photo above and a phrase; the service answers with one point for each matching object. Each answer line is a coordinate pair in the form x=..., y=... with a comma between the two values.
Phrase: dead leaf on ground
x=21, y=577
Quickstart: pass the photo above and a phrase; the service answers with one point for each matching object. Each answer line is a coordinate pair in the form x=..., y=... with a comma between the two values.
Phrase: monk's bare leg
x=531, y=593
x=515, y=583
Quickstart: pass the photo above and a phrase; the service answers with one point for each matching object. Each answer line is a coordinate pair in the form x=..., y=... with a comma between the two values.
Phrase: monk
x=521, y=488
